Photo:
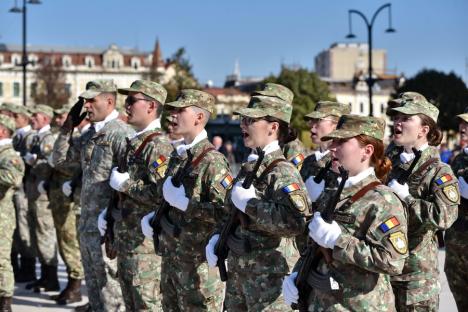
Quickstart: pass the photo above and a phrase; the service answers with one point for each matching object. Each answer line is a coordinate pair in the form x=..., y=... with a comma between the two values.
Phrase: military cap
x=274, y=89
x=96, y=87
x=64, y=109
x=8, y=122
x=262, y=106
x=44, y=109
x=412, y=103
x=353, y=125
x=20, y=109
x=464, y=116
x=7, y=106
x=328, y=108
x=191, y=97
x=149, y=88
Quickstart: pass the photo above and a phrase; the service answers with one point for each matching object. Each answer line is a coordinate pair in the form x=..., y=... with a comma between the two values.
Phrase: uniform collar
x=358, y=178
x=268, y=149
x=155, y=124
x=182, y=148
x=319, y=155
x=4, y=142
x=100, y=124
x=22, y=131
x=44, y=129
x=407, y=157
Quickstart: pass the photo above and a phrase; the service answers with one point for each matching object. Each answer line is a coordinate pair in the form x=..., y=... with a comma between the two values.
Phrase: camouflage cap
x=96, y=87
x=412, y=103
x=44, y=109
x=352, y=125
x=149, y=88
x=262, y=106
x=274, y=89
x=8, y=122
x=64, y=109
x=7, y=106
x=464, y=116
x=328, y=108
x=20, y=109
x=192, y=97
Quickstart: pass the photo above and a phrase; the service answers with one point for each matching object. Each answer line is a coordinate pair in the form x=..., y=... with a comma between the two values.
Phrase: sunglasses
x=249, y=120
x=130, y=100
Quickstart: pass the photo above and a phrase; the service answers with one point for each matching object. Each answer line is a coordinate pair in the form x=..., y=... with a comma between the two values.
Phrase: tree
x=446, y=91
x=50, y=87
x=308, y=89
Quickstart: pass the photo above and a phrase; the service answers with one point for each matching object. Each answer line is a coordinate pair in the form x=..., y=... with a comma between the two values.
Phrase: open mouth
x=245, y=135
x=397, y=131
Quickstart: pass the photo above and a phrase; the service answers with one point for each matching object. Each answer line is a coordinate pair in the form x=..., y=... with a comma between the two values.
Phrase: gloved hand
x=175, y=196
x=314, y=189
x=50, y=161
x=67, y=188
x=102, y=223
x=74, y=117
x=323, y=233
x=240, y=196
x=30, y=159
x=402, y=190
x=463, y=187
x=117, y=179
x=41, y=187
x=210, y=252
x=146, y=227
x=290, y=291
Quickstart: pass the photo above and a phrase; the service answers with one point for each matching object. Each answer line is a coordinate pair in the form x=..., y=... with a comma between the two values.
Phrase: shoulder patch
x=389, y=224
x=398, y=241
x=226, y=181
x=297, y=160
x=452, y=193
x=158, y=162
x=291, y=188
x=298, y=201
x=444, y=179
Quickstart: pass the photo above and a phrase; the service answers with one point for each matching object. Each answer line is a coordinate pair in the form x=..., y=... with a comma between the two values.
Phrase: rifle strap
x=363, y=192
x=424, y=166
x=200, y=157
x=270, y=168
x=145, y=142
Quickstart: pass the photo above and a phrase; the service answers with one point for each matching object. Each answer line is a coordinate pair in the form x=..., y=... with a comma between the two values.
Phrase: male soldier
x=65, y=221
x=136, y=179
x=11, y=173
x=294, y=150
x=196, y=205
x=99, y=148
x=38, y=201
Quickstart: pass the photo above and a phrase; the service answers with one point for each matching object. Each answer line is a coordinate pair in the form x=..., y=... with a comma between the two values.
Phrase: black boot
x=71, y=293
x=51, y=282
x=27, y=271
x=5, y=304
x=15, y=264
x=40, y=281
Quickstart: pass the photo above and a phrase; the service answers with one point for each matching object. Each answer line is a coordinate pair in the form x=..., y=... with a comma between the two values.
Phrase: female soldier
x=368, y=236
x=431, y=194
x=275, y=205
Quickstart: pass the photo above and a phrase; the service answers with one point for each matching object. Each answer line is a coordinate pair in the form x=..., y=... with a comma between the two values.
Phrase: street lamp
x=24, y=57
x=370, y=80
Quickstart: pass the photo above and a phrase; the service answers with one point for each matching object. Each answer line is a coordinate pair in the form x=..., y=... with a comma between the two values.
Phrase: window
x=33, y=89
x=66, y=61
x=1, y=88
x=89, y=61
x=361, y=107
x=16, y=89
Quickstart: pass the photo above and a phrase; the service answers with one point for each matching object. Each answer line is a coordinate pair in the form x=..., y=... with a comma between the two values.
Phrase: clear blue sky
x=262, y=34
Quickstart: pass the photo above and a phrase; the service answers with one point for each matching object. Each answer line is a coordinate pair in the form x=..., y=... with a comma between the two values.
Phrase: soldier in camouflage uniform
x=275, y=205
x=187, y=284
x=145, y=164
x=432, y=196
x=456, y=237
x=367, y=240
x=11, y=173
x=44, y=237
x=99, y=150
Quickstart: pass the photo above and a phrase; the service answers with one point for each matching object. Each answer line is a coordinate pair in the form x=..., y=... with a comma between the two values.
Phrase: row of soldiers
x=379, y=251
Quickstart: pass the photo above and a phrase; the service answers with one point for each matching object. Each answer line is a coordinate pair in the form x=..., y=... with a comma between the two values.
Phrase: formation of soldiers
x=147, y=211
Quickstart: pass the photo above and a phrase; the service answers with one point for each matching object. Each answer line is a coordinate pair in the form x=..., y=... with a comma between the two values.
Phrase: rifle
x=402, y=179
x=160, y=215
x=311, y=258
x=321, y=174
x=222, y=249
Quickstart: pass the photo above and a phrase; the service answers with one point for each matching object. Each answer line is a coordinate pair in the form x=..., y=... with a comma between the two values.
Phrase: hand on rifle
x=30, y=159
x=314, y=189
x=463, y=187
x=175, y=196
x=117, y=179
x=146, y=227
x=102, y=223
x=240, y=196
x=323, y=233
x=402, y=190
x=74, y=117
x=211, y=257
x=290, y=292
x=67, y=188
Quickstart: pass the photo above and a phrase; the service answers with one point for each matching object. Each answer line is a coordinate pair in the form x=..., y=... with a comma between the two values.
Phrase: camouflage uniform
x=138, y=265
x=295, y=152
x=98, y=152
x=187, y=284
x=456, y=238
x=11, y=173
x=432, y=206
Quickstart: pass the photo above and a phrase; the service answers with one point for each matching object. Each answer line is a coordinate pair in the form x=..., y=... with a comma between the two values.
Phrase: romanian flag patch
x=297, y=160
x=227, y=181
x=158, y=161
x=291, y=188
x=389, y=224
x=445, y=178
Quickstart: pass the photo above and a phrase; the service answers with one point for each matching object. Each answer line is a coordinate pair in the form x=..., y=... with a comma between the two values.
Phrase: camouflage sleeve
x=118, y=144
x=42, y=170
x=11, y=171
x=384, y=247
x=281, y=212
x=439, y=209
x=63, y=152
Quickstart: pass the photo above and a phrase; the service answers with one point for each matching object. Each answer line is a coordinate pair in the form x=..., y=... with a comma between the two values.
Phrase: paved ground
x=26, y=301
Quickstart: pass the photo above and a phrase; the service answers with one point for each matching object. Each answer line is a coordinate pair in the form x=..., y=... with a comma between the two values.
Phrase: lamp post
x=24, y=57
x=370, y=80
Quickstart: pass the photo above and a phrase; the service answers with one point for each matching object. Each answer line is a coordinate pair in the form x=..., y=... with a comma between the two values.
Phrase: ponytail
x=382, y=165
x=286, y=133
x=434, y=137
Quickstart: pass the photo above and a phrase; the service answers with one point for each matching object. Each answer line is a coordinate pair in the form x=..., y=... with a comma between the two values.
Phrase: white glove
x=30, y=159
x=66, y=188
x=314, y=189
x=50, y=161
x=40, y=188
x=102, y=223
x=402, y=190
x=240, y=196
x=175, y=196
x=146, y=227
x=209, y=251
x=323, y=233
x=463, y=187
x=117, y=179
x=290, y=292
